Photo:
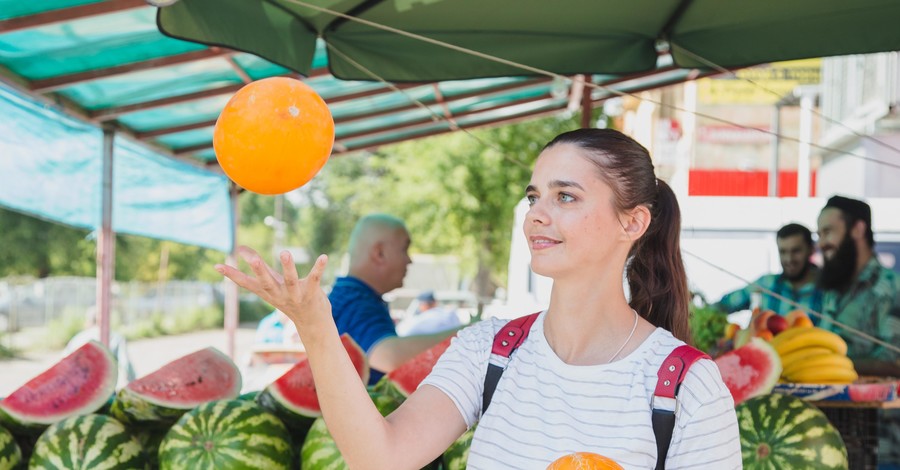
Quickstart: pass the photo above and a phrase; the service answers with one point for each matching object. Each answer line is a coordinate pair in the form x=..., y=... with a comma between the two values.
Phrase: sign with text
x=763, y=84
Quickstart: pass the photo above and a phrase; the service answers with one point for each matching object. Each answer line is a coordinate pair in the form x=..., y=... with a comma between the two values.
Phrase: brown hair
x=655, y=270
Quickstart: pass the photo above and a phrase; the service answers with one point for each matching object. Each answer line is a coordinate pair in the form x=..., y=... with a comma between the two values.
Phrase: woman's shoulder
x=703, y=383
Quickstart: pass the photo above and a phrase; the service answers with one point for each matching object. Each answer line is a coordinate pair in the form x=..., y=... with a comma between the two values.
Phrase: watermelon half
x=79, y=384
x=292, y=397
x=163, y=396
x=750, y=370
x=404, y=380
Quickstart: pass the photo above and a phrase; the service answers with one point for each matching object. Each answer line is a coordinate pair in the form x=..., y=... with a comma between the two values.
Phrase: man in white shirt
x=429, y=318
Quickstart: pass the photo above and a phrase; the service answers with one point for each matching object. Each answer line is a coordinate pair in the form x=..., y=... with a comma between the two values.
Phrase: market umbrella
x=563, y=36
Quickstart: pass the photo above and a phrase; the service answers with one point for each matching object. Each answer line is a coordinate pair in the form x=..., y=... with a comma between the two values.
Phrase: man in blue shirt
x=379, y=256
x=797, y=282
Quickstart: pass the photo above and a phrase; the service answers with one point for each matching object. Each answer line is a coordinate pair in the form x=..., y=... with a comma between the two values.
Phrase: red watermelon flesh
x=191, y=380
x=296, y=391
x=408, y=376
x=79, y=384
x=751, y=370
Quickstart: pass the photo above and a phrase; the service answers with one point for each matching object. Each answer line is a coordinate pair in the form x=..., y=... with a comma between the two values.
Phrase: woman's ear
x=636, y=222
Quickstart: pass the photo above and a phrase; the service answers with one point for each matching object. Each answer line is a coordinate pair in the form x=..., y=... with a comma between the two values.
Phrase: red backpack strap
x=506, y=341
x=665, y=398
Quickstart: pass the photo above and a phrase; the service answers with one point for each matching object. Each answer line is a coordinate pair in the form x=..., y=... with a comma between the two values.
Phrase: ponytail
x=655, y=272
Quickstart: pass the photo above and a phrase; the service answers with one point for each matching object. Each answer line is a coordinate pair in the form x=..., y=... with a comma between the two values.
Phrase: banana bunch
x=813, y=355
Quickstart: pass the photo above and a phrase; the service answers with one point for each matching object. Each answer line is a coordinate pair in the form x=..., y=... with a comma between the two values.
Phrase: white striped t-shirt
x=544, y=408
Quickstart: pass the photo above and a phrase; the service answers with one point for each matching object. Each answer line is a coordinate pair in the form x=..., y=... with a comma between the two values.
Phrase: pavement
x=147, y=355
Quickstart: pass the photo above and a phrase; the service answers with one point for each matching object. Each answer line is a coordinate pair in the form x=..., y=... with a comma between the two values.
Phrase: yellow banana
x=787, y=334
x=812, y=337
x=803, y=353
x=824, y=376
x=825, y=361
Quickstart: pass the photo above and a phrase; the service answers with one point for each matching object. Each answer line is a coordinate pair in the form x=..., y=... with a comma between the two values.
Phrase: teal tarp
x=50, y=166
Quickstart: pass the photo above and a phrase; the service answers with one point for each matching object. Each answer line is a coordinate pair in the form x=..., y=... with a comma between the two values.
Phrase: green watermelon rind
x=457, y=455
x=320, y=452
x=22, y=423
x=101, y=439
x=233, y=434
x=133, y=407
x=763, y=382
x=796, y=434
x=10, y=453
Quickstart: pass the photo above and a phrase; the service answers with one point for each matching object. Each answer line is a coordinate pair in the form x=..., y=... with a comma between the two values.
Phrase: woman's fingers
x=291, y=281
x=237, y=276
x=315, y=273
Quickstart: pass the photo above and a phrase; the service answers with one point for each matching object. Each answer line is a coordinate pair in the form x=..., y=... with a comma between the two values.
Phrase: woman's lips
x=542, y=243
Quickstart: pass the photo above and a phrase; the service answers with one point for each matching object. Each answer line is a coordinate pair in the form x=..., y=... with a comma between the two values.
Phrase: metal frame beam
x=68, y=14
x=55, y=83
x=359, y=117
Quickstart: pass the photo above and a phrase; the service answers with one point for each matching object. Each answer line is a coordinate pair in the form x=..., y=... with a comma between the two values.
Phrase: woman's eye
x=564, y=197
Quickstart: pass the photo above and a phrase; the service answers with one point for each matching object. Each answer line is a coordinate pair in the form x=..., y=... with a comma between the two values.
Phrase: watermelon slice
x=751, y=370
x=163, y=396
x=404, y=380
x=292, y=397
x=79, y=384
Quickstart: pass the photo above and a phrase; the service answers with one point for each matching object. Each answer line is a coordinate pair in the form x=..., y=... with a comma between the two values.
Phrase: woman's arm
x=423, y=427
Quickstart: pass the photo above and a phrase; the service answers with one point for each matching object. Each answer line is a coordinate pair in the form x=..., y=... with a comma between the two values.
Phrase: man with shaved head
x=379, y=256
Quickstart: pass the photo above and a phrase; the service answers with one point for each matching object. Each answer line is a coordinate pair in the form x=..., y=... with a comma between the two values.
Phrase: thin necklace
x=633, y=328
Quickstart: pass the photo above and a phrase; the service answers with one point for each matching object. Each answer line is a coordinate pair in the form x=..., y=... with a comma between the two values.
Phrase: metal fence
x=27, y=302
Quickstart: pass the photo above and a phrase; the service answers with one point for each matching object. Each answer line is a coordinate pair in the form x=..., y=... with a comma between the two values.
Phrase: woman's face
x=572, y=223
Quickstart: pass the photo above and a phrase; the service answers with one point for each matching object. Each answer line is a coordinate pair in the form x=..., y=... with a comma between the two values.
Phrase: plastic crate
x=859, y=429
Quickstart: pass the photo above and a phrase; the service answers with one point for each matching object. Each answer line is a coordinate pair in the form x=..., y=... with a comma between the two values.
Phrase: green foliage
x=252, y=311
x=34, y=247
x=6, y=351
x=61, y=329
x=707, y=327
x=175, y=323
x=31, y=246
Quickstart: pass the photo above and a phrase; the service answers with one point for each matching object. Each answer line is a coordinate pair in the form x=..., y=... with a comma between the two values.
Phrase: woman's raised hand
x=303, y=300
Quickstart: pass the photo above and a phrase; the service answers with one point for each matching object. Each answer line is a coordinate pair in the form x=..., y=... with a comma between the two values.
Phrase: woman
x=583, y=379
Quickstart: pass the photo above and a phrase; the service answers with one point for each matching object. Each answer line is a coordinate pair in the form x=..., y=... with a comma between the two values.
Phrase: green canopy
x=563, y=36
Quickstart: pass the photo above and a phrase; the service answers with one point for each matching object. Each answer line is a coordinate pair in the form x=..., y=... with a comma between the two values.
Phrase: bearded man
x=862, y=294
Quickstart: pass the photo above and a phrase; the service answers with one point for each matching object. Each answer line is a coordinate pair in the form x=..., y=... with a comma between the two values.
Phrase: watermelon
x=404, y=380
x=161, y=397
x=456, y=456
x=226, y=434
x=150, y=437
x=79, y=384
x=10, y=454
x=292, y=397
x=750, y=370
x=85, y=443
x=320, y=452
x=781, y=431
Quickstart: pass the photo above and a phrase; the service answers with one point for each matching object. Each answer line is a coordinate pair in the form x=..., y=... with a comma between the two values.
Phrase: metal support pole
x=106, y=239
x=587, y=106
x=807, y=102
x=776, y=149
x=231, y=289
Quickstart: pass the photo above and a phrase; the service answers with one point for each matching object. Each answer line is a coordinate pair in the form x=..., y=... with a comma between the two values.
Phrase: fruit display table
x=853, y=410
